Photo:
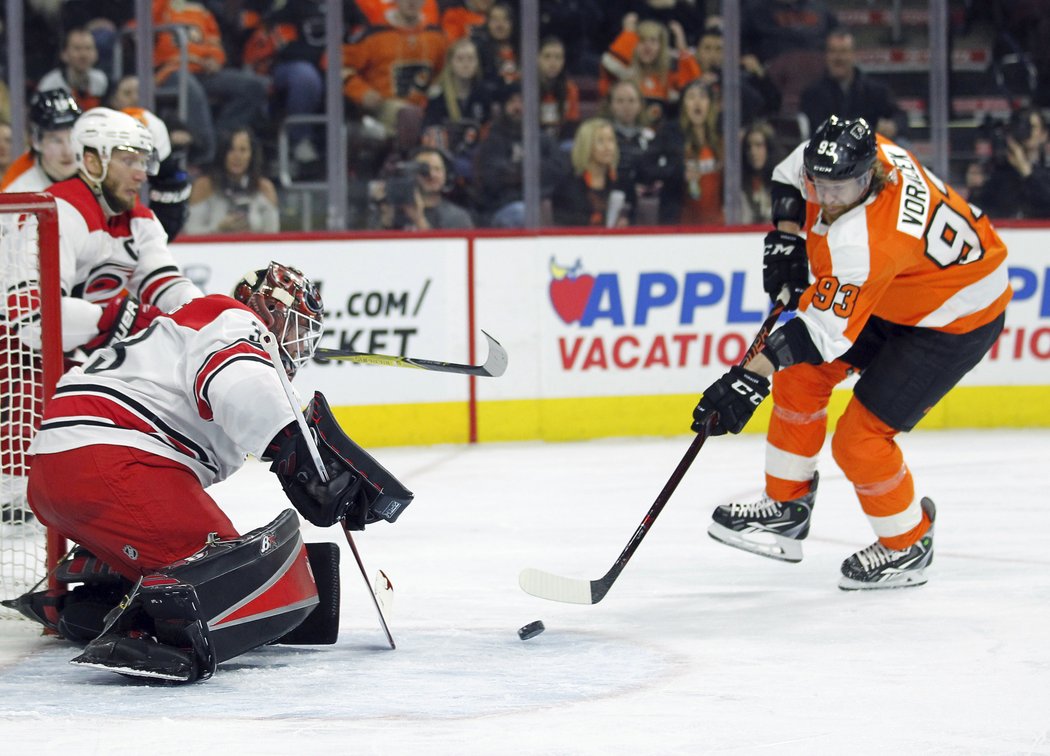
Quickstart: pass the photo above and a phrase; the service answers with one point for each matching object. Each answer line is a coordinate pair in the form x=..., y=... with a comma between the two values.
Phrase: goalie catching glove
x=359, y=490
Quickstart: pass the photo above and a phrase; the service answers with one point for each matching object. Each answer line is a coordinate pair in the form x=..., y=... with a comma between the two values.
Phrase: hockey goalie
x=168, y=587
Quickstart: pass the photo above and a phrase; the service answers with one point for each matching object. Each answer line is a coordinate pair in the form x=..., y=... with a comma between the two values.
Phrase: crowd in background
x=630, y=105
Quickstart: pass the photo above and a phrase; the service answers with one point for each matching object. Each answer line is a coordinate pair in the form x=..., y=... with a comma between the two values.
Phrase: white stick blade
x=384, y=591
x=555, y=587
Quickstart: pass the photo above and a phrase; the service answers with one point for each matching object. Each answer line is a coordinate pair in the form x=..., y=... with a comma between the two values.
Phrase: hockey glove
x=784, y=263
x=729, y=402
x=322, y=503
x=122, y=318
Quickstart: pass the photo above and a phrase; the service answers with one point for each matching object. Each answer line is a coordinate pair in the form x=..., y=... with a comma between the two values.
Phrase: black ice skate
x=766, y=527
x=878, y=567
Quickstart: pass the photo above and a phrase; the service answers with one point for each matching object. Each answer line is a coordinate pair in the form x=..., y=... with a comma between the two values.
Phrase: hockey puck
x=531, y=630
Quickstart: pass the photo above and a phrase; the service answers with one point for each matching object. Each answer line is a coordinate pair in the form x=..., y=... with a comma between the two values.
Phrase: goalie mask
x=290, y=306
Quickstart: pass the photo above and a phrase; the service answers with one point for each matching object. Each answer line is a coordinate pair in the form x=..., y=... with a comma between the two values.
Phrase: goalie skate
x=876, y=566
x=766, y=527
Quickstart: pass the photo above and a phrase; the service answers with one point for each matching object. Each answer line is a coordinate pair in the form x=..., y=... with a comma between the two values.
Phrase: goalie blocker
x=359, y=490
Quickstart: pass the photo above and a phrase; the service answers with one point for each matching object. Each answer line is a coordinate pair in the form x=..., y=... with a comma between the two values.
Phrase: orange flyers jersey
x=379, y=12
x=394, y=62
x=915, y=254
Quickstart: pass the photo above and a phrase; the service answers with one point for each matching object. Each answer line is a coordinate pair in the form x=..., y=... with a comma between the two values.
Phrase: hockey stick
x=493, y=367
x=371, y=592
x=270, y=343
x=573, y=591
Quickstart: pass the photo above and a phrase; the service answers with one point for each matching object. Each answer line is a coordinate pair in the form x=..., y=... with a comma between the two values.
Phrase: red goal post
x=31, y=363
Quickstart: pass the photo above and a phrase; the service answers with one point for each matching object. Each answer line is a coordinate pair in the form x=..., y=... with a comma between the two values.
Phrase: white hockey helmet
x=104, y=130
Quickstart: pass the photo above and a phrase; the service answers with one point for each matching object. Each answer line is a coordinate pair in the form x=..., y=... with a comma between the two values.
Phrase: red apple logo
x=570, y=291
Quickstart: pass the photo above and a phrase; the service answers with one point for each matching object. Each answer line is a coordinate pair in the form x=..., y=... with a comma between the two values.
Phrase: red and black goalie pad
x=253, y=589
x=228, y=598
x=386, y=498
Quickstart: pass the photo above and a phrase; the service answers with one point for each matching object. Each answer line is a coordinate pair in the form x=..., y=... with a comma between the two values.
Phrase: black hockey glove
x=784, y=263
x=729, y=402
x=322, y=503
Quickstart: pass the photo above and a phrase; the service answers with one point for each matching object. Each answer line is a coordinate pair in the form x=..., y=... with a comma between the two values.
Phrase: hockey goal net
x=30, y=365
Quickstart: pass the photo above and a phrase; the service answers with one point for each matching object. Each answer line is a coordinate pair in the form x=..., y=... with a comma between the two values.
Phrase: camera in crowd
x=1018, y=128
x=403, y=180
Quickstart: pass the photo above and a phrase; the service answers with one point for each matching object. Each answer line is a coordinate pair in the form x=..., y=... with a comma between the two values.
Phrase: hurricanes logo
x=130, y=551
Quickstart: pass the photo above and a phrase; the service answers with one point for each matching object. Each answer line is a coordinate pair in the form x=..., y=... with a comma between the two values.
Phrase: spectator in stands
x=849, y=93
x=759, y=97
x=287, y=45
x=241, y=96
x=5, y=147
x=103, y=20
x=689, y=14
x=578, y=23
x=559, y=95
x=595, y=195
x=757, y=173
x=459, y=94
x=624, y=111
x=414, y=198
x=457, y=112
x=686, y=158
x=234, y=196
x=77, y=74
x=770, y=28
x=643, y=53
x=460, y=19
x=498, y=192
x=497, y=43
x=1018, y=184
x=49, y=158
x=386, y=68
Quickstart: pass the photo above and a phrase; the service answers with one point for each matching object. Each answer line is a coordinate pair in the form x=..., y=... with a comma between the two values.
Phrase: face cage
x=299, y=339
x=842, y=193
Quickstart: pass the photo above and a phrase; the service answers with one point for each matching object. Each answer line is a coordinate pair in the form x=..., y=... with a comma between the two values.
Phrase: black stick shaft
x=368, y=585
x=601, y=586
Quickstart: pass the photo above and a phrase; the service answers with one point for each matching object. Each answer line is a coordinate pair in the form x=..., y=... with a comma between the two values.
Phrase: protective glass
x=840, y=193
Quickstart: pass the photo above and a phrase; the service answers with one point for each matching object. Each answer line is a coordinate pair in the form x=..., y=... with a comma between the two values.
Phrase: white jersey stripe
x=898, y=524
x=788, y=466
x=973, y=298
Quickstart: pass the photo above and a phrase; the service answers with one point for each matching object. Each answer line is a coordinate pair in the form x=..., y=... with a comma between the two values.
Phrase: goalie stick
x=493, y=367
x=553, y=587
x=270, y=343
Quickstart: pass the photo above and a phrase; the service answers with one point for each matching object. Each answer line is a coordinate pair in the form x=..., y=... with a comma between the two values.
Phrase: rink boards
x=607, y=334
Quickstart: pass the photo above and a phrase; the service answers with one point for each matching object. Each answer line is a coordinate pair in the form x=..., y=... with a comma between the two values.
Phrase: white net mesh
x=23, y=547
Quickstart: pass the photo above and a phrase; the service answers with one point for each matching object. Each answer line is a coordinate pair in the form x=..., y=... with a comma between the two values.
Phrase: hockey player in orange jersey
x=909, y=288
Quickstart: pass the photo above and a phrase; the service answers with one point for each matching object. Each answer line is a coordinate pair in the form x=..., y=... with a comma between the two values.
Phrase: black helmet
x=840, y=149
x=52, y=109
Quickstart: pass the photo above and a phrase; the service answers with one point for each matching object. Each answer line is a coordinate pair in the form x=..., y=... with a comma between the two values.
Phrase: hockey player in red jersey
x=909, y=290
x=131, y=440
x=116, y=271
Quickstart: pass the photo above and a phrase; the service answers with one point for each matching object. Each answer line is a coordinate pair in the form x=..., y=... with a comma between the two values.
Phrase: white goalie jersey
x=196, y=387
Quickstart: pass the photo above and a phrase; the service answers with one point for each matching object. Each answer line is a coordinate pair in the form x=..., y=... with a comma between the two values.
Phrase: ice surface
x=698, y=648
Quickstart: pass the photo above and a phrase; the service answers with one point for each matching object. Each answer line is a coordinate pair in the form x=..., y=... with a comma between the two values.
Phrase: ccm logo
x=780, y=249
x=744, y=390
